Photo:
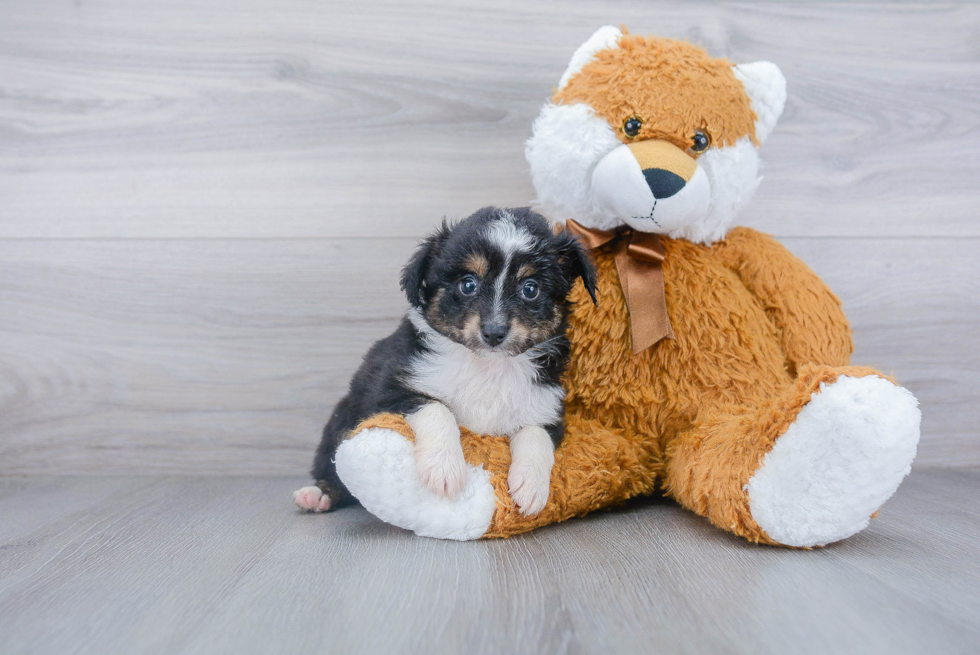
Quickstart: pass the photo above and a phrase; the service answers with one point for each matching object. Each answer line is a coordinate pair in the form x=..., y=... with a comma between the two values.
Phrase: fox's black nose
x=662, y=182
x=494, y=333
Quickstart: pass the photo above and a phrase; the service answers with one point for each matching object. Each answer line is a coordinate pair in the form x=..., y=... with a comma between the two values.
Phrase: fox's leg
x=808, y=316
x=806, y=469
x=594, y=467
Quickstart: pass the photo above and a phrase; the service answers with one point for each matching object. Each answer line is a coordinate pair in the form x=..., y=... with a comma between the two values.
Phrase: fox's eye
x=468, y=285
x=530, y=290
x=700, y=142
x=632, y=125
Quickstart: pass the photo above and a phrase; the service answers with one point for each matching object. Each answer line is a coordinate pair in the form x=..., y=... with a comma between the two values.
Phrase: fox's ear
x=766, y=87
x=605, y=38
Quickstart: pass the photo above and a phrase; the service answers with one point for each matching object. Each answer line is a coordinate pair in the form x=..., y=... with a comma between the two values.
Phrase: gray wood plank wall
x=204, y=205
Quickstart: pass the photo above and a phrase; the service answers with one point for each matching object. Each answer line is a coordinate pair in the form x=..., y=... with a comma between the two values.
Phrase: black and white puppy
x=483, y=346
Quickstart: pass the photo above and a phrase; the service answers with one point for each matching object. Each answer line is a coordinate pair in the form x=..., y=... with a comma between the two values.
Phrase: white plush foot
x=836, y=465
x=311, y=499
x=529, y=478
x=378, y=467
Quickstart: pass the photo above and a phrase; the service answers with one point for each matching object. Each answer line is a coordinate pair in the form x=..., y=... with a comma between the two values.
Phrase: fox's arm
x=811, y=323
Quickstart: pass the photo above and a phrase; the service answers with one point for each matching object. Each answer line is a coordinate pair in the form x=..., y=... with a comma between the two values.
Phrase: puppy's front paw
x=532, y=458
x=529, y=486
x=438, y=453
x=441, y=468
x=311, y=499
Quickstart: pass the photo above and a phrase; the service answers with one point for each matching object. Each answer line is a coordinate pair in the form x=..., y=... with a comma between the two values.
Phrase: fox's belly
x=725, y=349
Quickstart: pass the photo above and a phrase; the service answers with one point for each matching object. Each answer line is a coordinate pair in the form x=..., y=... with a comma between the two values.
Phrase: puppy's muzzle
x=493, y=333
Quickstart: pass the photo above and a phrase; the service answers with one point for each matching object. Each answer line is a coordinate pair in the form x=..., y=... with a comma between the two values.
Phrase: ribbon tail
x=623, y=268
x=647, y=305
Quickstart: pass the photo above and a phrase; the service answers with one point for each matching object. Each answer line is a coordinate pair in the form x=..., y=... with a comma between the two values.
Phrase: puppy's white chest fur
x=488, y=395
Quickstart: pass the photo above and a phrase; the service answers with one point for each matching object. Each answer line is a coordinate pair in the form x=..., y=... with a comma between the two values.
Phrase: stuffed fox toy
x=715, y=367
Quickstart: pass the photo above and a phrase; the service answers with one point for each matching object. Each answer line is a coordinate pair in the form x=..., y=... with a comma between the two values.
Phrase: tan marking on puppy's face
x=466, y=333
x=674, y=87
x=435, y=318
x=477, y=264
x=519, y=332
x=546, y=330
x=526, y=270
x=434, y=303
x=471, y=330
x=524, y=335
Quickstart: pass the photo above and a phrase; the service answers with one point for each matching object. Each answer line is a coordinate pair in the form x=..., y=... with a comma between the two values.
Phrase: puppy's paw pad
x=529, y=488
x=311, y=499
x=444, y=474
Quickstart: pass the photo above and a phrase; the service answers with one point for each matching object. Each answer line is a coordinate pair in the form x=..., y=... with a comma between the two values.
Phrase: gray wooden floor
x=224, y=565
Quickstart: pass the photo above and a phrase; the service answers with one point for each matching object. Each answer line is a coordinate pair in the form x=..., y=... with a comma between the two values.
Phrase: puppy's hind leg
x=329, y=492
x=324, y=496
x=312, y=499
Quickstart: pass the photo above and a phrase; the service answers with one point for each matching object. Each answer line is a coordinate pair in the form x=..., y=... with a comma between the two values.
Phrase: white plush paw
x=311, y=499
x=529, y=486
x=378, y=467
x=841, y=459
x=442, y=470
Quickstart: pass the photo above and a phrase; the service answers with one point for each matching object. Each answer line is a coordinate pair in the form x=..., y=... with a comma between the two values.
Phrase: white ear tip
x=605, y=37
x=766, y=87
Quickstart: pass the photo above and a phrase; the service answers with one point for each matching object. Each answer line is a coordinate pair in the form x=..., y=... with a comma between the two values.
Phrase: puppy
x=482, y=346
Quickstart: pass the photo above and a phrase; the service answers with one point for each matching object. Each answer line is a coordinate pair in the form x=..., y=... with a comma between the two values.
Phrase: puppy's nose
x=494, y=333
x=662, y=182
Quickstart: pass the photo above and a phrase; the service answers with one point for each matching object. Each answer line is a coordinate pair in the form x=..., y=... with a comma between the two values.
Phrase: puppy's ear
x=413, y=275
x=576, y=261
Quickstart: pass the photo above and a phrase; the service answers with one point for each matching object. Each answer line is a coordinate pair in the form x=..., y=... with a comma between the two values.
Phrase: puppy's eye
x=632, y=125
x=468, y=285
x=700, y=142
x=530, y=290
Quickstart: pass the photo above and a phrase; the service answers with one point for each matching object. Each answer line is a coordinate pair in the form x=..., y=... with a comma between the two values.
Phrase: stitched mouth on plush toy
x=650, y=215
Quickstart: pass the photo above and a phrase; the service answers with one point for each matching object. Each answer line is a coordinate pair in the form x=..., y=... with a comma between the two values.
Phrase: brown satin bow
x=639, y=260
